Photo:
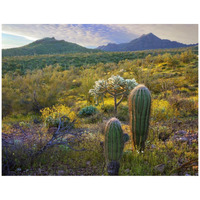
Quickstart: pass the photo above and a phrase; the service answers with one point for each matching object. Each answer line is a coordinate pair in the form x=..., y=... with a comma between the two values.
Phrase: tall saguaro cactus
x=139, y=110
x=114, y=145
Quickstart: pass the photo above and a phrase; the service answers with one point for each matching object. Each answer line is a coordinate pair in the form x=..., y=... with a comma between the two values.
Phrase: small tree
x=116, y=86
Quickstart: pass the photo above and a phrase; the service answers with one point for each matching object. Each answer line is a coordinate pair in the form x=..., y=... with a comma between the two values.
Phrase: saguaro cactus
x=139, y=110
x=114, y=145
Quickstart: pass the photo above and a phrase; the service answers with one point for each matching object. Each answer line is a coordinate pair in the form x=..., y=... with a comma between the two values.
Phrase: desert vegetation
x=55, y=109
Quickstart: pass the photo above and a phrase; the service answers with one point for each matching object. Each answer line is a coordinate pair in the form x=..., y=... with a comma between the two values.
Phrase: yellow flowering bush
x=51, y=116
x=107, y=106
x=6, y=128
x=162, y=110
x=188, y=106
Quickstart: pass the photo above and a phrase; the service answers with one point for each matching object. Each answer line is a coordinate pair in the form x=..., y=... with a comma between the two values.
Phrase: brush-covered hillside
x=46, y=46
x=22, y=64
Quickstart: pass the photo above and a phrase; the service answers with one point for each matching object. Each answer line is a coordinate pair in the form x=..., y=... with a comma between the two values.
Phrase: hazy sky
x=93, y=35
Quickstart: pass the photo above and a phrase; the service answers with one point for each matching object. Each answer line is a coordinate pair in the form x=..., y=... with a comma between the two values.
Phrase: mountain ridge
x=46, y=46
x=145, y=42
x=49, y=45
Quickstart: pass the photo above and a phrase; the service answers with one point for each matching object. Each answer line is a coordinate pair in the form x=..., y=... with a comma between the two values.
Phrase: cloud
x=93, y=35
x=11, y=41
x=72, y=33
x=185, y=33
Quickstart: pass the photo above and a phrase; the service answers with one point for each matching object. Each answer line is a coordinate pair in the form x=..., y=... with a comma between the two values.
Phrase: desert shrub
x=188, y=106
x=191, y=75
x=95, y=118
x=101, y=127
x=24, y=124
x=88, y=111
x=51, y=122
x=18, y=117
x=51, y=116
x=192, y=88
x=93, y=155
x=75, y=84
x=107, y=108
x=185, y=106
x=15, y=157
x=7, y=128
x=187, y=56
x=162, y=110
x=19, y=146
x=123, y=113
x=164, y=132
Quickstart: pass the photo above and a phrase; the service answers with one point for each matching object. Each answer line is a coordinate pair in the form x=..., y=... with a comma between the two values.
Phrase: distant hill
x=145, y=42
x=47, y=46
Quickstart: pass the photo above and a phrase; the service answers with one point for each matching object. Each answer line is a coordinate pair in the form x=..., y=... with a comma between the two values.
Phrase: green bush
x=92, y=119
x=123, y=113
x=188, y=107
x=108, y=108
x=88, y=111
x=51, y=122
x=24, y=124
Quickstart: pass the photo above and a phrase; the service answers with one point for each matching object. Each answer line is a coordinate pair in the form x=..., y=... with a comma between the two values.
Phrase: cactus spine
x=114, y=145
x=139, y=110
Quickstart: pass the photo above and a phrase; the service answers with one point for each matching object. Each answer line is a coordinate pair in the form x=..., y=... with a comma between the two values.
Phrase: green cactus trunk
x=114, y=145
x=139, y=110
x=114, y=140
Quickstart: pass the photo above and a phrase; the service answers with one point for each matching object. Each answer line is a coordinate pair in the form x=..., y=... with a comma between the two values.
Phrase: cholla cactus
x=116, y=86
x=130, y=84
x=120, y=84
x=99, y=87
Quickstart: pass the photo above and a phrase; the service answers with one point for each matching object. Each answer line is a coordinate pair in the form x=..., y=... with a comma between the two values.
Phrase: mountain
x=145, y=42
x=47, y=46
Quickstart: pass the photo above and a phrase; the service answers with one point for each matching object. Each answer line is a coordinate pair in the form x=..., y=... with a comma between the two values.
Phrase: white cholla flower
x=131, y=83
x=92, y=92
x=116, y=80
x=116, y=83
x=99, y=87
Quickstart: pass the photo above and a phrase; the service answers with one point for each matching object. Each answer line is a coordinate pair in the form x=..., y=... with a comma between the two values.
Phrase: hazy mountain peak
x=46, y=39
x=49, y=38
x=144, y=42
x=148, y=34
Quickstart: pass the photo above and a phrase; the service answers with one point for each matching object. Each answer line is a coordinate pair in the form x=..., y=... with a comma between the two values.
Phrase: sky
x=94, y=35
